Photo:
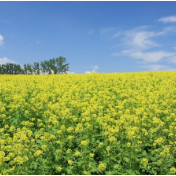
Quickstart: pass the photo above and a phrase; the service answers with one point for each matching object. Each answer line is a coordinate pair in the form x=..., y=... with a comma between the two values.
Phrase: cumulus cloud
x=1, y=40
x=157, y=67
x=141, y=43
x=148, y=57
x=88, y=72
x=142, y=38
x=94, y=68
x=172, y=59
x=169, y=19
x=6, y=60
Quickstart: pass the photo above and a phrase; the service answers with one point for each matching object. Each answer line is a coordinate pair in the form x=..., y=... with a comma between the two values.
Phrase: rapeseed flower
x=59, y=169
x=70, y=162
x=101, y=167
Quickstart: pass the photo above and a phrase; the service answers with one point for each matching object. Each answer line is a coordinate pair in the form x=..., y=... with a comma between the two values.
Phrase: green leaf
x=39, y=141
x=80, y=163
x=69, y=171
x=34, y=164
x=94, y=169
x=127, y=160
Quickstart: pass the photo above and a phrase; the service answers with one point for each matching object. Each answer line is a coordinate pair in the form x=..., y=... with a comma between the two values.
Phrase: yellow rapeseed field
x=119, y=123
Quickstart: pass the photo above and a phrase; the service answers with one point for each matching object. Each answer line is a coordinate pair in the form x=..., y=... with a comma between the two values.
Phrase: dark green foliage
x=52, y=66
x=11, y=68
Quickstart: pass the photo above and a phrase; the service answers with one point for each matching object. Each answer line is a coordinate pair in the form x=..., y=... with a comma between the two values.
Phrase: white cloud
x=104, y=30
x=159, y=67
x=1, y=40
x=88, y=72
x=70, y=72
x=91, y=32
x=95, y=67
x=6, y=60
x=116, y=34
x=169, y=19
x=172, y=59
x=139, y=42
x=141, y=38
x=174, y=48
x=148, y=57
x=116, y=54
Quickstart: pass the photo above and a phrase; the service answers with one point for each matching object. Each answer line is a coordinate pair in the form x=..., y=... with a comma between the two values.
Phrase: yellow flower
x=59, y=150
x=101, y=167
x=91, y=155
x=63, y=127
x=116, y=166
x=149, y=167
x=144, y=161
x=70, y=137
x=44, y=147
x=85, y=172
x=85, y=142
x=70, y=162
x=52, y=137
x=173, y=170
x=108, y=148
x=112, y=139
x=69, y=151
x=19, y=160
x=89, y=166
x=139, y=142
x=59, y=132
x=128, y=144
x=70, y=129
x=59, y=169
x=38, y=152
x=100, y=144
x=6, y=126
x=77, y=153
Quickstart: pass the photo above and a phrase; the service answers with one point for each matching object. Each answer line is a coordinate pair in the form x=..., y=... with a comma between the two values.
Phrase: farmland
x=115, y=123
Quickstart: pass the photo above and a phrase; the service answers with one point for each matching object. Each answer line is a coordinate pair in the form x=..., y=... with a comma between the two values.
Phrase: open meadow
x=114, y=123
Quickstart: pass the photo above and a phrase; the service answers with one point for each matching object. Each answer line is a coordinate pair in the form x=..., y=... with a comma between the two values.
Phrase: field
x=120, y=123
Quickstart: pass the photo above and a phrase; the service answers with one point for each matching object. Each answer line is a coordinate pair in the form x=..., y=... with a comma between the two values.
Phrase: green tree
x=25, y=69
x=17, y=69
x=1, y=69
x=4, y=70
x=52, y=65
x=36, y=68
x=29, y=69
x=61, y=67
x=42, y=67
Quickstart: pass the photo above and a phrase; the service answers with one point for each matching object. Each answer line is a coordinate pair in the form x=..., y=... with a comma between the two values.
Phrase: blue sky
x=100, y=36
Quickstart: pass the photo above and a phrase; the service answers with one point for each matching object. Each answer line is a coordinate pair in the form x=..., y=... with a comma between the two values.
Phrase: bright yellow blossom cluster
x=115, y=124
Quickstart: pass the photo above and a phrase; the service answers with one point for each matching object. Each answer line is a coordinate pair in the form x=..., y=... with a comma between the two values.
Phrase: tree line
x=52, y=66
